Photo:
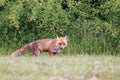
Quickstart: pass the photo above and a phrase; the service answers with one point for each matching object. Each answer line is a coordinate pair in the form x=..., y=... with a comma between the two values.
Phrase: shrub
x=92, y=26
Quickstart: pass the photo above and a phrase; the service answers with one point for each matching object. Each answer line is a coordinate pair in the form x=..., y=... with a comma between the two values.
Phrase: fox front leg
x=52, y=53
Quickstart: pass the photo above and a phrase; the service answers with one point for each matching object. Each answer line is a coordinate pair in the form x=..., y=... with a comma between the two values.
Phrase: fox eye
x=59, y=43
x=63, y=43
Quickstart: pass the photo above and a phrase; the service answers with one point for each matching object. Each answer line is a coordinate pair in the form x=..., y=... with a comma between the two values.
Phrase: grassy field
x=79, y=67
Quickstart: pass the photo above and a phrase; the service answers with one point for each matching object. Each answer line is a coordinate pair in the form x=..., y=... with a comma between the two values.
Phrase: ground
x=60, y=67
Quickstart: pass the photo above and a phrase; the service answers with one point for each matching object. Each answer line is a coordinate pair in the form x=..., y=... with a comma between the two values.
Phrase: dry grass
x=80, y=67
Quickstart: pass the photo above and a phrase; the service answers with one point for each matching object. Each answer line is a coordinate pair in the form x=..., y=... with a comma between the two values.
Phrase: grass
x=44, y=67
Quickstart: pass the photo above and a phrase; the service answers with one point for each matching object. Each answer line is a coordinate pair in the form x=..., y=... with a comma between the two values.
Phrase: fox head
x=61, y=42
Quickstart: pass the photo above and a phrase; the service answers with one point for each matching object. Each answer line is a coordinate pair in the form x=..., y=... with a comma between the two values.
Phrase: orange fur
x=52, y=46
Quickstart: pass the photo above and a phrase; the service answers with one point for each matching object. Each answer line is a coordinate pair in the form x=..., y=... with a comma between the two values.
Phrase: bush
x=92, y=26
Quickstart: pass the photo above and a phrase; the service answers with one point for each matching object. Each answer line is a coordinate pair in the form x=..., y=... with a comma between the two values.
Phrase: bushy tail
x=21, y=50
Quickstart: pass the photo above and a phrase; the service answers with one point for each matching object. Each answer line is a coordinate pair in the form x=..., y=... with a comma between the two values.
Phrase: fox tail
x=21, y=50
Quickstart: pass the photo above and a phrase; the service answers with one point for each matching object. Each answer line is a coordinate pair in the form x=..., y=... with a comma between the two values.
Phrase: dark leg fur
x=51, y=53
x=35, y=50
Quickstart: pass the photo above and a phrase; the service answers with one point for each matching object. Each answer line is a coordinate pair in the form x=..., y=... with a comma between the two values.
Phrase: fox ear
x=57, y=37
x=66, y=37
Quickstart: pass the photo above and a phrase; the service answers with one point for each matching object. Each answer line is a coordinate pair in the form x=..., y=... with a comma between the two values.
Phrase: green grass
x=44, y=67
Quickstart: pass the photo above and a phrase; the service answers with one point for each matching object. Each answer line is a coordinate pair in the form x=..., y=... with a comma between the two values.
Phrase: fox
x=52, y=46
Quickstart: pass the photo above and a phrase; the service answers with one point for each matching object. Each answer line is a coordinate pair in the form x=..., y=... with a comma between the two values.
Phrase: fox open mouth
x=61, y=48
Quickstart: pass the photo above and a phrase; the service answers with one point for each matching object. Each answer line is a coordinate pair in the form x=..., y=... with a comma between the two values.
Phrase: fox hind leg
x=35, y=50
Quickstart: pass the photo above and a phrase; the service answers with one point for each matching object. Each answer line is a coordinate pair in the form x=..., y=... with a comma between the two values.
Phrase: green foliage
x=92, y=26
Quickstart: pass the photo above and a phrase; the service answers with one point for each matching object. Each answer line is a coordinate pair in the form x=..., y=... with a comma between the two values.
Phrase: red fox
x=52, y=46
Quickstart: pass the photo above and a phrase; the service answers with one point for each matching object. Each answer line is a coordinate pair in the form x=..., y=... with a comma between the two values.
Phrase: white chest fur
x=56, y=49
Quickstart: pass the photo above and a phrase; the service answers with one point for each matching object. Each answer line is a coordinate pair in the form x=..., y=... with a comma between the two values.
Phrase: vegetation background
x=92, y=26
